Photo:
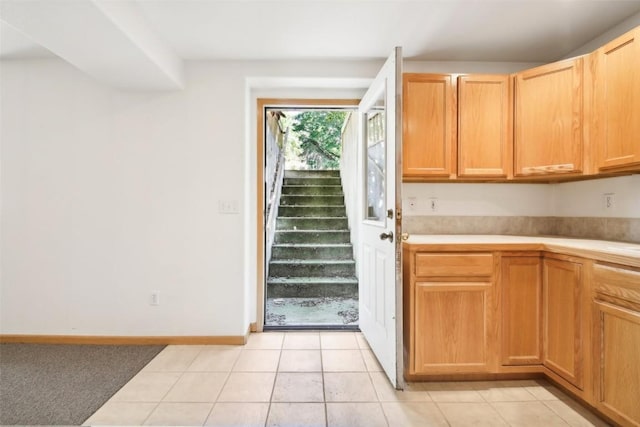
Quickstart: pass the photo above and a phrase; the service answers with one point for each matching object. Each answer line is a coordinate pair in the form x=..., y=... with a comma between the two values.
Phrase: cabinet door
x=521, y=287
x=453, y=327
x=428, y=126
x=617, y=102
x=548, y=119
x=485, y=126
x=562, y=314
x=617, y=362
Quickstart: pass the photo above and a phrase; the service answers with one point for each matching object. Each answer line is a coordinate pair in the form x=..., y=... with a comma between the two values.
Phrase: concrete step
x=312, y=287
x=312, y=190
x=312, y=257
x=312, y=268
x=324, y=200
x=312, y=312
x=312, y=236
x=311, y=211
x=311, y=173
x=312, y=251
x=312, y=181
x=316, y=223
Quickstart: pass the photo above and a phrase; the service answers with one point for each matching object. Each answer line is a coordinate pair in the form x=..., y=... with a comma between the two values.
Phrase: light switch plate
x=228, y=206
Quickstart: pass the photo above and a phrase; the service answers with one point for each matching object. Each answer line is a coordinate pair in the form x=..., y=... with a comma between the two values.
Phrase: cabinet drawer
x=617, y=282
x=454, y=265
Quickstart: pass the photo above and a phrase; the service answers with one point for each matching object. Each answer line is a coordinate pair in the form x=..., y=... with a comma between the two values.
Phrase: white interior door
x=380, y=242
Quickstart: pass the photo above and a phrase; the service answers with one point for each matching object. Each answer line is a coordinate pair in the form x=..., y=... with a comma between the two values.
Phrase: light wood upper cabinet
x=616, y=121
x=428, y=126
x=562, y=319
x=548, y=119
x=485, y=126
x=521, y=319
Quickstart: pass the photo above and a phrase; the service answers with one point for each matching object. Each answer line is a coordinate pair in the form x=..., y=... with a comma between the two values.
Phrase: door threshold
x=353, y=328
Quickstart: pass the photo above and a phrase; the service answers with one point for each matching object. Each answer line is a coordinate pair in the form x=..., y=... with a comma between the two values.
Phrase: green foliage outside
x=314, y=140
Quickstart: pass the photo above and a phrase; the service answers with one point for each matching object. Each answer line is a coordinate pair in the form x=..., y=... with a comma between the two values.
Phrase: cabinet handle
x=566, y=167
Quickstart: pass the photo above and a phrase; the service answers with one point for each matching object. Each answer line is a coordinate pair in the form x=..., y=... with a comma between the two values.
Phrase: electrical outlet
x=433, y=204
x=155, y=298
x=609, y=201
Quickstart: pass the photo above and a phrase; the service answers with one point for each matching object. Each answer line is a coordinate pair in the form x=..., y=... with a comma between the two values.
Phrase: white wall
x=109, y=195
x=585, y=198
x=461, y=199
x=569, y=199
x=624, y=26
x=466, y=67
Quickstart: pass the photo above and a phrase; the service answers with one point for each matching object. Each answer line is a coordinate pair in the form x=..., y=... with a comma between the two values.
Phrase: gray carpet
x=63, y=384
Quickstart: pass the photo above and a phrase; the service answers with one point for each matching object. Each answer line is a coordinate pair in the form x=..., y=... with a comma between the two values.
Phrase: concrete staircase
x=311, y=255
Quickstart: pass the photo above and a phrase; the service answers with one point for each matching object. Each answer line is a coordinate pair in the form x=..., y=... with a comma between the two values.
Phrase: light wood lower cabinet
x=450, y=313
x=453, y=327
x=617, y=343
x=562, y=319
x=521, y=311
x=495, y=314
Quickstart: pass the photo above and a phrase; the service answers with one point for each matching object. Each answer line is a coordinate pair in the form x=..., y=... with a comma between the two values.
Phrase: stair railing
x=276, y=140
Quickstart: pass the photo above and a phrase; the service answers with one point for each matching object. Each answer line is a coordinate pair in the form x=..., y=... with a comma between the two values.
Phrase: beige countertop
x=601, y=250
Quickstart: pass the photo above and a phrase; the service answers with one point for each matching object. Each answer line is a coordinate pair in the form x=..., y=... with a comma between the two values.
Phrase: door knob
x=387, y=236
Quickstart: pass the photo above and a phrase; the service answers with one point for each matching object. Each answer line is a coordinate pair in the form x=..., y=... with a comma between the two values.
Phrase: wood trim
x=124, y=340
x=532, y=372
x=260, y=249
x=589, y=142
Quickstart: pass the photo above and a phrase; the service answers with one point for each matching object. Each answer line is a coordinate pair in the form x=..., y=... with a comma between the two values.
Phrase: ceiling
x=177, y=30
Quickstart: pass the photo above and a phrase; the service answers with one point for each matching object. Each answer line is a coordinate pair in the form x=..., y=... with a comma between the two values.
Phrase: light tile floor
x=319, y=379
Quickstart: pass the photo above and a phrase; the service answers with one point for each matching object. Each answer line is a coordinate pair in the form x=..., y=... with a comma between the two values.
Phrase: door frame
x=263, y=103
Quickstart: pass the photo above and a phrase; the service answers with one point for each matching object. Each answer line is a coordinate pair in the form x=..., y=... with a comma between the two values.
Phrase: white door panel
x=380, y=275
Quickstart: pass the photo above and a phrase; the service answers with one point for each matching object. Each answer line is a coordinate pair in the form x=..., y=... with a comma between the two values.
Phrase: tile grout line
x=162, y=398
x=157, y=404
x=224, y=383
x=215, y=402
x=544, y=402
x=324, y=393
x=375, y=390
x=181, y=376
x=275, y=379
x=379, y=402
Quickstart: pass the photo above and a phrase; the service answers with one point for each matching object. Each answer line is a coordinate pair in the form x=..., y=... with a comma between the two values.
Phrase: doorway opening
x=310, y=278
